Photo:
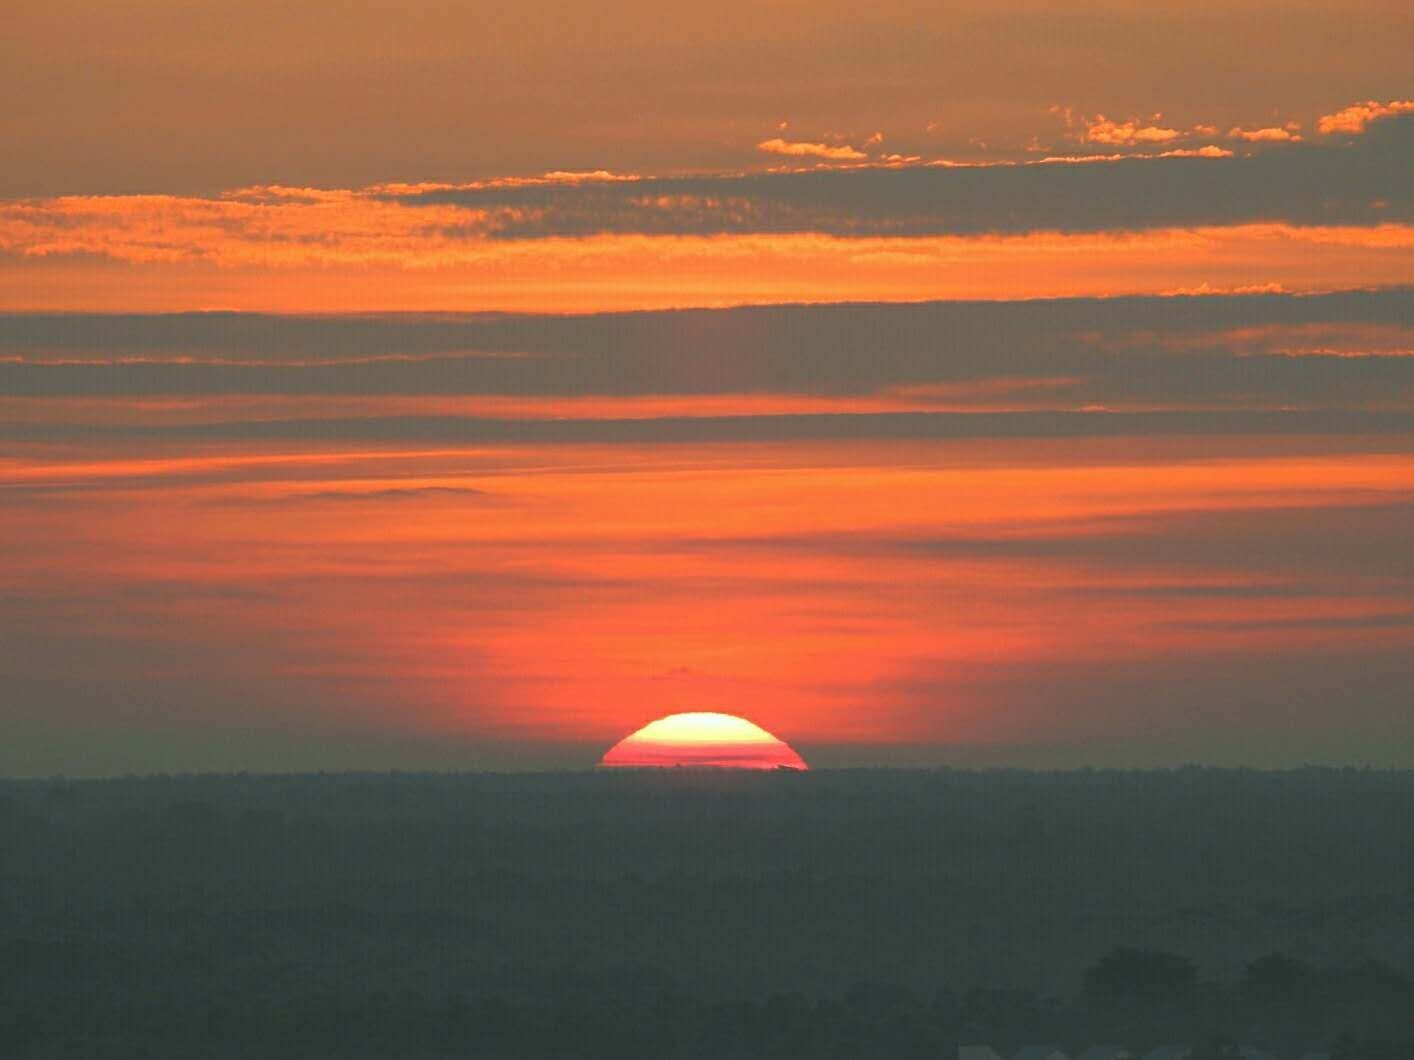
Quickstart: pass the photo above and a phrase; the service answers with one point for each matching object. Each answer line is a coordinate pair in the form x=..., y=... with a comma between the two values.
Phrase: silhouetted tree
x=1377, y=982
x=1277, y=979
x=1133, y=975
x=1350, y=1048
x=1218, y=1047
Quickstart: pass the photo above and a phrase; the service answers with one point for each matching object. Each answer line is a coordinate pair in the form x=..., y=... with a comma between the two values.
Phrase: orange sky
x=428, y=384
x=573, y=594
x=166, y=95
x=637, y=272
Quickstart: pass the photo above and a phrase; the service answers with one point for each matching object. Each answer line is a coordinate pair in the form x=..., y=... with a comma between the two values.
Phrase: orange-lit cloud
x=281, y=229
x=218, y=266
x=1102, y=130
x=1356, y=117
x=553, y=178
x=1139, y=133
x=486, y=224
x=1206, y=151
x=250, y=226
x=807, y=149
x=1267, y=134
x=1136, y=132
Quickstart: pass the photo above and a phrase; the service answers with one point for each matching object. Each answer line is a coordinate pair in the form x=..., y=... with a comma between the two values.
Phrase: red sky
x=470, y=400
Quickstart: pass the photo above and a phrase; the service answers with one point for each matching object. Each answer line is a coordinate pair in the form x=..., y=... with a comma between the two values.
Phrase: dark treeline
x=691, y=914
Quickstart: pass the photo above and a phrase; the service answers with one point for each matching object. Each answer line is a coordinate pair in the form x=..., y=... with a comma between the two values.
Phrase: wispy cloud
x=808, y=149
x=1273, y=352
x=379, y=494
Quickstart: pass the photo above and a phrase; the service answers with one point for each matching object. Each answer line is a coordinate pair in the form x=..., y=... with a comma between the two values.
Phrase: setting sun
x=720, y=741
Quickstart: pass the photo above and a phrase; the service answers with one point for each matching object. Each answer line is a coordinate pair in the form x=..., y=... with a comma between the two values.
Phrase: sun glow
x=703, y=739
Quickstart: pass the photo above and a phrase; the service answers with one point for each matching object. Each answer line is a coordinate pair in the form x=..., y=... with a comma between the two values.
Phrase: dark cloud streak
x=1364, y=182
x=744, y=428
x=1365, y=537
x=1187, y=350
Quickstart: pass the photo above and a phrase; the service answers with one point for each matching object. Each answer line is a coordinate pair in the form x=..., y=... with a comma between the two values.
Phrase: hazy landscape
x=705, y=913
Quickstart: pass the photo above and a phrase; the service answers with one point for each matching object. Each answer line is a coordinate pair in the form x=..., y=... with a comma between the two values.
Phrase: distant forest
x=706, y=914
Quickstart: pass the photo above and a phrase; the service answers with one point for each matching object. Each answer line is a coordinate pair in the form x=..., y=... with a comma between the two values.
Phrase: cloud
x=639, y=271
x=388, y=493
x=1269, y=134
x=1135, y=133
x=1131, y=133
x=1258, y=353
x=1273, y=550
x=693, y=430
x=248, y=226
x=1202, y=184
x=1206, y=151
x=1356, y=117
x=1360, y=182
x=1319, y=623
x=552, y=178
x=1330, y=214
x=806, y=149
x=1101, y=130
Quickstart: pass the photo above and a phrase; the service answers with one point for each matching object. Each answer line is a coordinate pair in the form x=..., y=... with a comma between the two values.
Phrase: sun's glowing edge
x=702, y=740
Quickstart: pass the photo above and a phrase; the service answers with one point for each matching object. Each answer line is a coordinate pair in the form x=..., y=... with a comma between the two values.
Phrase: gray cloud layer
x=1365, y=539
x=832, y=331
x=1362, y=182
x=746, y=428
x=1154, y=353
